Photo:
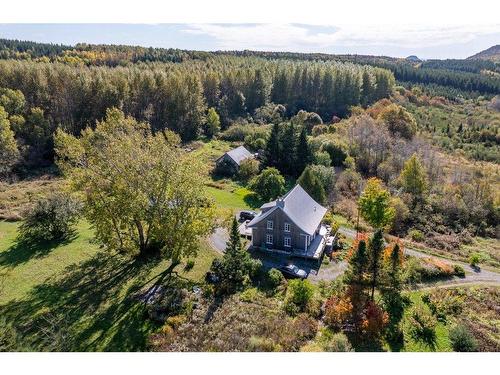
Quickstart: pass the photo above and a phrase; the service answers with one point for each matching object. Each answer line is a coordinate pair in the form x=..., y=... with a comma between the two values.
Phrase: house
x=291, y=224
x=230, y=162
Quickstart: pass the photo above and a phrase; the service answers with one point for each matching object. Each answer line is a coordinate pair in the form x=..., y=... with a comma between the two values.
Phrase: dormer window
x=287, y=227
x=270, y=225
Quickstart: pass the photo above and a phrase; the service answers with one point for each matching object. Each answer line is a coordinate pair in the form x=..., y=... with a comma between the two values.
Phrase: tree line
x=177, y=96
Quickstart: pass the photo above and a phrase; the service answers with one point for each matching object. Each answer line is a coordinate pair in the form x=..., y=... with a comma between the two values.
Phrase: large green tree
x=142, y=194
x=9, y=152
x=374, y=204
x=311, y=183
x=413, y=178
x=268, y=185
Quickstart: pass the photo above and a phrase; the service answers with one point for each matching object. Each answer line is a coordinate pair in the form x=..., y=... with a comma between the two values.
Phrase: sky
x=398, y=40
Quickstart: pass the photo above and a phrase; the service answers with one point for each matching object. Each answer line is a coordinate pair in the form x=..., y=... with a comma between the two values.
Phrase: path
x=472, y=275
x=330, y=272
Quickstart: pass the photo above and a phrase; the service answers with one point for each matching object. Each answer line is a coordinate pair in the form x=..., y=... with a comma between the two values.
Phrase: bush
x=275, y=278
x=51, y=218
x=337, y=342
x=262, y=344
x=249, y=295
x=298, y=295
x=248, y=169
x=462, y=340
x=459, y=271
x=175, y=321
x=474, y=259
x=416, y=235
x=189, y=265
x=304, y=327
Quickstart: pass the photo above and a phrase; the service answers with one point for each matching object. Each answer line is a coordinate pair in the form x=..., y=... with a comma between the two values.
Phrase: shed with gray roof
x=231, y=161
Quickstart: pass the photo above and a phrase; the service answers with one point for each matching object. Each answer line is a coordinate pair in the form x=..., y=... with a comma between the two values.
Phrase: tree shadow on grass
x=253, y=200
x=25, y=249
x=92, y=303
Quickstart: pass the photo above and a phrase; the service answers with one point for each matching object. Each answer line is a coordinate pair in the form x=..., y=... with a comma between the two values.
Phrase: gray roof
x=239, y=154
x=300, y=208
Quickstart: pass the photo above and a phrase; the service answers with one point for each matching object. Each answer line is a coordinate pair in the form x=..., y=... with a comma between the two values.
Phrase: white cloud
x=286, y=37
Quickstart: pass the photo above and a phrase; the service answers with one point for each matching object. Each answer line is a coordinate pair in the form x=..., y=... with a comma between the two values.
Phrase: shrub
x=248, y=169
x=167, y=330
x=275, y=278
x=474, y=259
x=416, y=235
x=298, y=295
x=337, y=342
x=262, y=344
x=189, y=265
x=305, y=327
x=462, y=340
x=175, y=321
x=249, y=295
x=255, y=267
x=458, y=270
x=51, y=218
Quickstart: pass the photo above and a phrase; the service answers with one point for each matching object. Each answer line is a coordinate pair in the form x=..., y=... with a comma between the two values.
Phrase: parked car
x=292, y=270
x=247, y=215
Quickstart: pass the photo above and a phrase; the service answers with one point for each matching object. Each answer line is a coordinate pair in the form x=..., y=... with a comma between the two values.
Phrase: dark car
x=247, y=215
x=292, y=270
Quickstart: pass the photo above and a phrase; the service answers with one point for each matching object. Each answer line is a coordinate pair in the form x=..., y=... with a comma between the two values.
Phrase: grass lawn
x=234, y=198
x=84, y=291
x=442, y=331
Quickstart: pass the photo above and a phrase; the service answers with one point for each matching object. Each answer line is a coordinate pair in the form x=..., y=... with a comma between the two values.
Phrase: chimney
x=280, y=202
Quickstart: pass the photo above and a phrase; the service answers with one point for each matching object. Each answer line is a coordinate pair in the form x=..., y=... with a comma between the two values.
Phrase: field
x=85, y=292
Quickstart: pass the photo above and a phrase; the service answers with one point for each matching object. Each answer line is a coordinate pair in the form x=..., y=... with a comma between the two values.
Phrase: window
x=288, y=242
x=269, y=239
x=287, y=227
x=270, y=225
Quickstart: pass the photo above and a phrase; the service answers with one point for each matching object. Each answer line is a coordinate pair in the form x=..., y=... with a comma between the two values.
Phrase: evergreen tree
x=312, y=184
x=273, y=148
x=233, y=271
x=376, y=247
x=288, y=155
x=355, y=278
x=366, y=87
x=212, y=127
x=303, y=154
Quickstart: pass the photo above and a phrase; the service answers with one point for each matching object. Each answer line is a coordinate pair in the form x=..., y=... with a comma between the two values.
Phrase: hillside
x=492, y=53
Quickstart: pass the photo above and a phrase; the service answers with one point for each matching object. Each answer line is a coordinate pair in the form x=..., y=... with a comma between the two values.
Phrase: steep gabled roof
x=239, y=154
x=300, y=208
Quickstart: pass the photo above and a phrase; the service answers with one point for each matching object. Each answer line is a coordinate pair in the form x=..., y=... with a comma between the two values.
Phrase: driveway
x=472, y=275
x=317, y=272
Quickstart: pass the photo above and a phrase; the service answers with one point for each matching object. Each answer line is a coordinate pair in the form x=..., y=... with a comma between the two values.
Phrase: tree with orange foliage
x=338, y=311
x=374, y=321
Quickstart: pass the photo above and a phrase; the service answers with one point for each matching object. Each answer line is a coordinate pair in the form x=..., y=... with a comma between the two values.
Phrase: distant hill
x=413, y=58
x=492, y=53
